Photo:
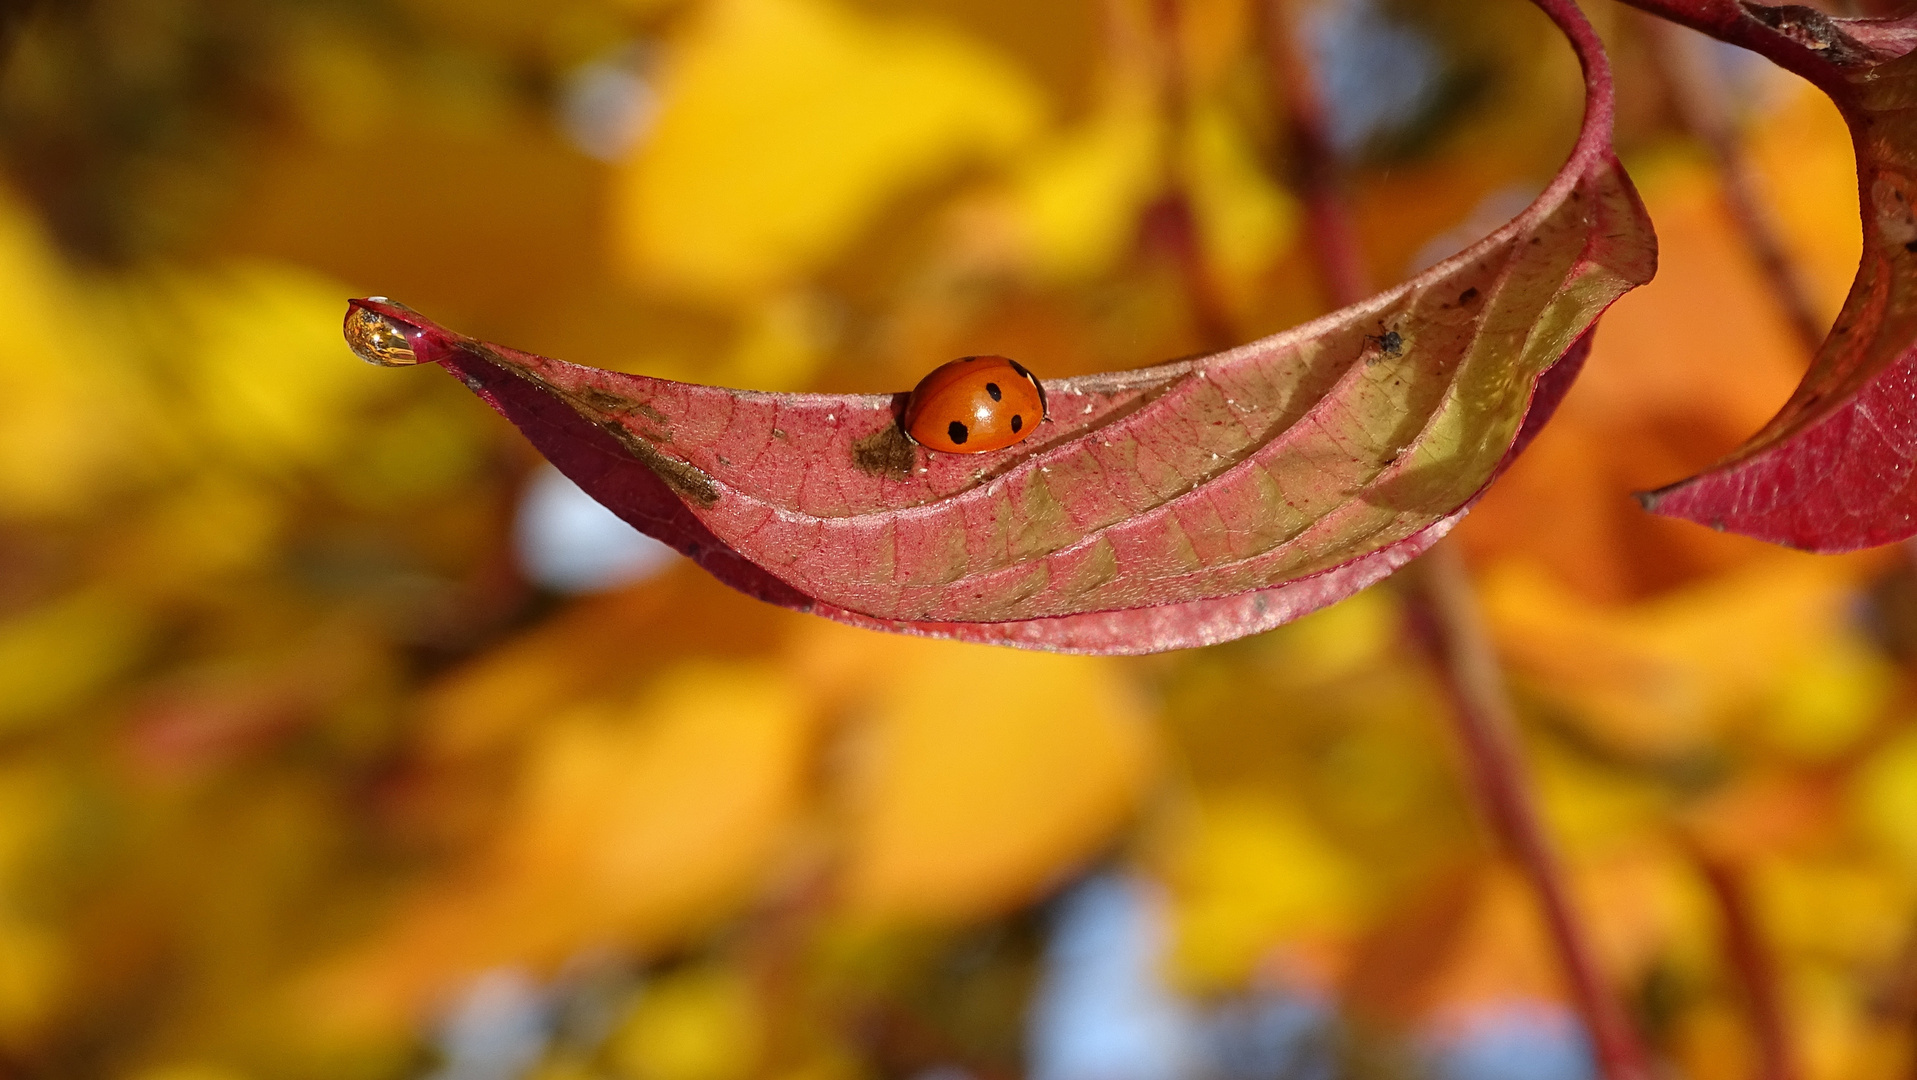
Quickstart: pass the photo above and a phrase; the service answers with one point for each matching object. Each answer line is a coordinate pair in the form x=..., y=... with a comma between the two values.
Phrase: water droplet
x=377, y=339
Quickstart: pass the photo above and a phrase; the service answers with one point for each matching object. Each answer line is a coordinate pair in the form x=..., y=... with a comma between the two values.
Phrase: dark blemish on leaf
x=1911, y=246
x=688, y=481
x=1018, y=423
x=723, y=460
x=992, y=389
x=652, y=414
x=885, y=452
x=1468, y=295
x=957, y=433
x=607, y=401
x=778, y=433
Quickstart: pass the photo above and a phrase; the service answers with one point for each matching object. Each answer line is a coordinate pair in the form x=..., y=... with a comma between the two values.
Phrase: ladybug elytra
x=973, y=405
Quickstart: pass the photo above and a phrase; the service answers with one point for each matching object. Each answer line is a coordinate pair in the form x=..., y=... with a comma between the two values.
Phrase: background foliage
x=337, y=739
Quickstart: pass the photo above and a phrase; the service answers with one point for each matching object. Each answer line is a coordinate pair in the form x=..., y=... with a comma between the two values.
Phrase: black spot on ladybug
x=992, y=389
x=1018, y=422
x=956, y=431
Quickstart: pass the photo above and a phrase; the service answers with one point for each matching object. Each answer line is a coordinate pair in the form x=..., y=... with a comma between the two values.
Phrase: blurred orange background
x=340, y=738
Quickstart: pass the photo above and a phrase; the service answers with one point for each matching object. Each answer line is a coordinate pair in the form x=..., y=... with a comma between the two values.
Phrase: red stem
x=1456, y=635
x=1317, y=176
x=1487, y=726
x=1751, y=959
x=1168, y=222
x=1697, y=93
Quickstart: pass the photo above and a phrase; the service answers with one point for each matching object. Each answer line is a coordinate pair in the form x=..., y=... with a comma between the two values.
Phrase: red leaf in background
x=1179, y=505
x=1832, y=471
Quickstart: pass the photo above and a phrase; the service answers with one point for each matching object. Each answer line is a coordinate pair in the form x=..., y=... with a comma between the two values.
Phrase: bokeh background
x=340, y=737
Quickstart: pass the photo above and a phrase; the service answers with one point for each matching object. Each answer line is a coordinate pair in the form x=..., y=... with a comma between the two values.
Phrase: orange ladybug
x=974, y=404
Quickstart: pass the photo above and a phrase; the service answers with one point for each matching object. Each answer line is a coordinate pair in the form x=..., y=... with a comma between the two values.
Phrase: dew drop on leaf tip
x=377, y=339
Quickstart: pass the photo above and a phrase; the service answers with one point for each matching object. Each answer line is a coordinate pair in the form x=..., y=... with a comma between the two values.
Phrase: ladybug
x=974, y=404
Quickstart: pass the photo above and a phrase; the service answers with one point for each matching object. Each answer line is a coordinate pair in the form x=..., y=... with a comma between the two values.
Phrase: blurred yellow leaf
x=981, y=776
x=33, y=971
x=1073, y=205
x=1664, y=675
x=212, y=524
x=1885, y=800
x=1803, y=157
x=276, y=385
x=1250, y=875
x=1828, y=698
x=787, y=124
x=69, y=417
x=194, y=1071
x=631, y=827
x=697, y=1024
x=52, y=656
x=1796, y=898
x=1245, y=220
x=783, y=342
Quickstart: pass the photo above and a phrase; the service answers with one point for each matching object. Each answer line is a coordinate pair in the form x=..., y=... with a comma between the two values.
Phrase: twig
x=1454, y=633
x=1168, y=222
x=1751, y=959
x=1697, y=93
x=1317, y=176
x=1168, y=225
x=1482, y=712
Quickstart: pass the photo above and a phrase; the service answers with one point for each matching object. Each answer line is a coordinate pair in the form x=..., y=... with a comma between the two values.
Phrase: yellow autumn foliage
x=304, y=761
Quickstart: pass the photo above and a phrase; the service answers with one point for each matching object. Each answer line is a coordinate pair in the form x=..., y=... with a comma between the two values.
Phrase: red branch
x=1698, y=95
x=1316, y=174
x=1482, y=712
x=1751, y=959
x=1168, y=223
x=1454, y=632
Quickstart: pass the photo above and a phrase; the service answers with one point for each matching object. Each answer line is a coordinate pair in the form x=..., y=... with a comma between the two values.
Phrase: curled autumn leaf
x=1833, y=470
x=1178, y=505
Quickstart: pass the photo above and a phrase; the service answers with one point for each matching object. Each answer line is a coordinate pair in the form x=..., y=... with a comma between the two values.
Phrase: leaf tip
x=378, y=337
x=390, y=334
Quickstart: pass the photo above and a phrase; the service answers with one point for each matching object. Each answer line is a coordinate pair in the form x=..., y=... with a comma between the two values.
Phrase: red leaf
x=1180, y=505
x=1833, y=470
